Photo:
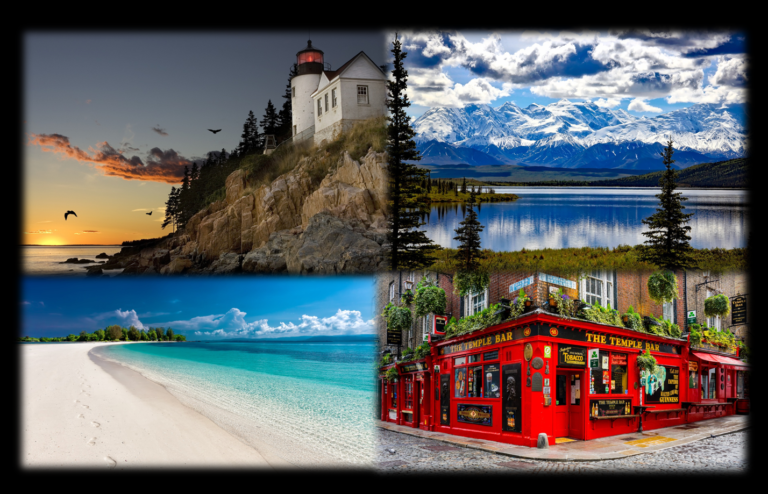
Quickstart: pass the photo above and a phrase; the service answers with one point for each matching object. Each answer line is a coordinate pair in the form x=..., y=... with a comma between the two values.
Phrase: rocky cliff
x=291, y=225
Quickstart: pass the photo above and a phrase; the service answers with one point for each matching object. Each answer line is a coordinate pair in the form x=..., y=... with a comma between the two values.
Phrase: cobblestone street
x=722, y=454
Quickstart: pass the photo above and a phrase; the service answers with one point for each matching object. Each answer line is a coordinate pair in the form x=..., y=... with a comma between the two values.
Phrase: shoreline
x=80, y=410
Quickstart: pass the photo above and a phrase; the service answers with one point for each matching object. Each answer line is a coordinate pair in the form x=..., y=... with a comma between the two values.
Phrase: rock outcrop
x=294, y=224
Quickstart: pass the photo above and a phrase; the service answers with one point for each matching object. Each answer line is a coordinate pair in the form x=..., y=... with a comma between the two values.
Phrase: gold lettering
x=602, y=339
x=612, y=340
x=509, y=335
x=589, y=337
x=498, y=338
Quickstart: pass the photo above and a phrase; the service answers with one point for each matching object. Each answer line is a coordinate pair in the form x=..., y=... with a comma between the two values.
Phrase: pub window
x=713, y=322
x=560, y=390
x=477, y=381
x=394, y=395
x=619, y=373
x=333, y=97
x=408, y=393
x=491, y=355
x=362, y=95
x=597, y=288
x=392, y=291
x=693, y=381
x=600, y=378
x=427, y=321
x=319, y=107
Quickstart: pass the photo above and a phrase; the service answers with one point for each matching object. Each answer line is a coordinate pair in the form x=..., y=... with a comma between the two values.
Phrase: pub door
x=729, y=384
x=568, y=405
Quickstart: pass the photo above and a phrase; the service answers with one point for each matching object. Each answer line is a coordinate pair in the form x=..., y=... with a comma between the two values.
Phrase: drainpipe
x=685, y=299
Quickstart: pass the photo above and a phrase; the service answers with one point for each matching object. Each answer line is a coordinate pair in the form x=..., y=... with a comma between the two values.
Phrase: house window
x=319, y=108
x=669, y=311
x=597, y=288
x=427, y=321
x=475, y=302
x=362, y=95
x=333, y=97
x=326, y=101
x=714, y=321
x=392, y=291
x=293, y=92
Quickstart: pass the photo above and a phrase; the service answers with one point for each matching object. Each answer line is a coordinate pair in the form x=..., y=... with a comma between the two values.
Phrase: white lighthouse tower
x=310, y=67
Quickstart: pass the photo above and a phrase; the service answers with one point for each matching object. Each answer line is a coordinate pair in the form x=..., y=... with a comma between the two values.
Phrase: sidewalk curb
x=603, y=456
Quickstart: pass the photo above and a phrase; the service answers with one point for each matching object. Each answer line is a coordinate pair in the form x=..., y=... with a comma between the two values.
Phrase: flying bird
x=68, y=213
x=214, y=131
x=149, y=213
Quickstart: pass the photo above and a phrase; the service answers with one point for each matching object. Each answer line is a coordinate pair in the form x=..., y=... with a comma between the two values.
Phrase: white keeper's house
x=326, y=102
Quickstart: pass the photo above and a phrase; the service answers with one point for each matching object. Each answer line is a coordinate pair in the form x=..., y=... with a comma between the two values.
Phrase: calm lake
x=558, y=217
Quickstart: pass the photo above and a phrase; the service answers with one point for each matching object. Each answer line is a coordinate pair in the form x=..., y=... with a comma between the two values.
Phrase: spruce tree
x=171, y=208
x=285, y=116
x=409, y=247
x=469, y=253
x=270, y=123
x=464, y=186
x=667, y=246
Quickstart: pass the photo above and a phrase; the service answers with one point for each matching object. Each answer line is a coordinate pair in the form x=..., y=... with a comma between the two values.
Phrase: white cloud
x=730, y=72
x=232, y=324
x=607, y=103
x=125, y=318
x=25, y=303
x=638, y=104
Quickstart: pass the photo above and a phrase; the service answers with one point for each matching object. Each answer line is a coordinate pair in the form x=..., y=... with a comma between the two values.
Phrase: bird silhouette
x=68, y=213
x=149, y=213
x=214, y=131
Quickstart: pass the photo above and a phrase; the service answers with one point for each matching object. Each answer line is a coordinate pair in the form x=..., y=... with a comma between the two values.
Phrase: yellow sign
x=547, y=351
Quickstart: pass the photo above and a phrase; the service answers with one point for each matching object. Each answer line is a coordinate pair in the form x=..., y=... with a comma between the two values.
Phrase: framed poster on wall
x=663, y=385
x=511, y=420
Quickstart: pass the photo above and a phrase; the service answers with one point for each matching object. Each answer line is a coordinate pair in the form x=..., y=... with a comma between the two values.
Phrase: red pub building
x=541, y=373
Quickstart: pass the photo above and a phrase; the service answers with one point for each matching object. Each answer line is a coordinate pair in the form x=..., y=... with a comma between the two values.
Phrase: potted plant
x=465, y=282
x=717, y=305
x=662, y=287
x=632, y=319
x=398, y=318
x=391, y=374
x=407, y=297
x=554, y=298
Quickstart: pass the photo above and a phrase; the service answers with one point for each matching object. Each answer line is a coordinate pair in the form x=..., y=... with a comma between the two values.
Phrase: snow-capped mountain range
x=579, y=135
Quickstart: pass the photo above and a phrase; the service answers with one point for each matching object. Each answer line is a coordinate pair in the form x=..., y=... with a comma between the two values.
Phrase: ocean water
x=46, y=259
x=560, y=217
x=309, y=403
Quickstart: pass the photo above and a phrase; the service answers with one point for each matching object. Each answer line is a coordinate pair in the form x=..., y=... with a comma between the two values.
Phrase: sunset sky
x=110, y=119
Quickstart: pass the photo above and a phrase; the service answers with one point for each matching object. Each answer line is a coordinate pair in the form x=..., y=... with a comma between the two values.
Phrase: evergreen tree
x=171, y=209
x=409, y=248
x=469, y=253
x=667, y=246
x=464, y=186
x=285, y=116
x=270, y=123
x=249, y=139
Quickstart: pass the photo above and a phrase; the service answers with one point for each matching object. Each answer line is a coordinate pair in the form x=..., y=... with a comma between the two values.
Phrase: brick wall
x=632, y=290
x=729, y=284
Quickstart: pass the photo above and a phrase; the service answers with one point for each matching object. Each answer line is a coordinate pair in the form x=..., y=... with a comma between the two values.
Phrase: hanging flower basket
x=429, y=300
x=646, y=361
x=662, y=287
x=717, y=305
x=465, y=282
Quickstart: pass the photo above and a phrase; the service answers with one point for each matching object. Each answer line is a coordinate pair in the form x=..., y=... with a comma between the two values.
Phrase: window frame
x=363, y=93
x=319, y=107
x=610, y=392
x=714, y=321
x=391, y=291
x=326, y=102
x=333, y=98
x=469, y=304
x=607, y=279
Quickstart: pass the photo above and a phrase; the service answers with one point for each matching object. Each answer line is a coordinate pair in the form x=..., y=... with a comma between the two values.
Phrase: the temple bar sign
x=739, y=310
x=556, y=280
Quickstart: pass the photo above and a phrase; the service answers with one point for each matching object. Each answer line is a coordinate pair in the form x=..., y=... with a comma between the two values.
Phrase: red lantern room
x=310, y=60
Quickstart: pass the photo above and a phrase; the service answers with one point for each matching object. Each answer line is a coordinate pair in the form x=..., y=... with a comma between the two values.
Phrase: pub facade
x=565, y=377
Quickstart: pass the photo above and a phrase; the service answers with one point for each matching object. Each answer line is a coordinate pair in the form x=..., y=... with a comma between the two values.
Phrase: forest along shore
x=83, y=411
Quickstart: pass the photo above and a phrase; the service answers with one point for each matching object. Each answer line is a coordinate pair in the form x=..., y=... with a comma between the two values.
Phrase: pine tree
x=667, y=246
x=409, y=248
x=270, y=122
x=469, y=253
x=464, y=186
x=286, y=113
x=171, y=209
x=249, y=139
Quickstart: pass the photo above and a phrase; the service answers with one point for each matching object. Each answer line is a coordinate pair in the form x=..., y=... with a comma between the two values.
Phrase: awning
x=705, y=356
x=726, y=362
x=731, y=363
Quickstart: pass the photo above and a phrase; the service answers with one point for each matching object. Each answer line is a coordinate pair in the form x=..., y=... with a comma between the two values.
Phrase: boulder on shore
x=103, y=255
x=75, y=260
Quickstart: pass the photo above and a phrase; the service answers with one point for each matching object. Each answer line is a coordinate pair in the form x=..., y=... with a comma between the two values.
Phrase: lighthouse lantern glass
x=310, y=56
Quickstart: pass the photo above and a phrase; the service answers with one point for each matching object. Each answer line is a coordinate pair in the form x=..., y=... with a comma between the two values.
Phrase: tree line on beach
x=115, y=333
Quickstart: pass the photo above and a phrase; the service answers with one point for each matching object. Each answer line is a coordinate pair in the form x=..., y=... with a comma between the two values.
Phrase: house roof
x=331, y=74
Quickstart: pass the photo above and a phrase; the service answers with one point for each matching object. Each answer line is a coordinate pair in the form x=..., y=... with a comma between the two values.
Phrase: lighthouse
x=310, y=67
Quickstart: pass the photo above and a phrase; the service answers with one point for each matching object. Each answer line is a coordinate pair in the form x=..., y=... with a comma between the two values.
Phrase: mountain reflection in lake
x=591, y=217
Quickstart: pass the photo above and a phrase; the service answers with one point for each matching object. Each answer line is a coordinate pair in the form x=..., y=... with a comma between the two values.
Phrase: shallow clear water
x=46, y=260
x=316, y=395
x=559, y=217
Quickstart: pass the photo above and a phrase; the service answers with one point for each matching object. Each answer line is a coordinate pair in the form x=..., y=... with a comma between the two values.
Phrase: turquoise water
x=317, y=396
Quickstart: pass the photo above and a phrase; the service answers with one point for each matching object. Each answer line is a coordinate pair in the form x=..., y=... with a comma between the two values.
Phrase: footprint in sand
x=81, y=416
x=95, y=424
x=110, y=461
x=92, y=442
x=85, y=406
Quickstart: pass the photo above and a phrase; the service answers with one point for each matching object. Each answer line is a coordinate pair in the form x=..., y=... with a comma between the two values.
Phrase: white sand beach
x=80, y=411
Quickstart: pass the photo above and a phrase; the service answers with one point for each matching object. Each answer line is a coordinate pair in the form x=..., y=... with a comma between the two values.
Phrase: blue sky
x=645, y=72
x=200, y=308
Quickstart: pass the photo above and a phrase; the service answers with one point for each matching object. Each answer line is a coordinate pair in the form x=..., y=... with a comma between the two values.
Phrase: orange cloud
x=162, y=166
x=38, y=231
